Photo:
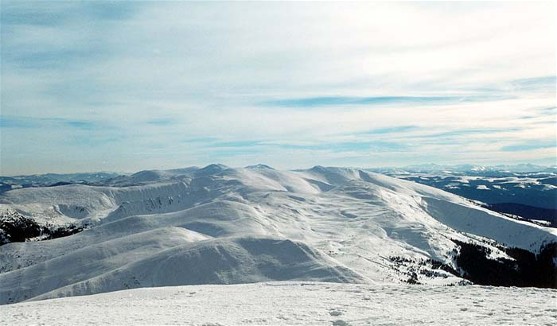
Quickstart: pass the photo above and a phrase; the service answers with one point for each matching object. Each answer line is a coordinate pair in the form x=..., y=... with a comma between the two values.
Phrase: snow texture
x=288, y=303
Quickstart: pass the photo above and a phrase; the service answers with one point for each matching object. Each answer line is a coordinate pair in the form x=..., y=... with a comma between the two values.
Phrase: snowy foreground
x=295, y=303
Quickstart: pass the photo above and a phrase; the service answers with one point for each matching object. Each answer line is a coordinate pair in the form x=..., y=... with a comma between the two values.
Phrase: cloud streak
x=319, y=102
x=528, y=146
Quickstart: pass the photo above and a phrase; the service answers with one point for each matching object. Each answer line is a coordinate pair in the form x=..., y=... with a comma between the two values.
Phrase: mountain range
x=221, y=225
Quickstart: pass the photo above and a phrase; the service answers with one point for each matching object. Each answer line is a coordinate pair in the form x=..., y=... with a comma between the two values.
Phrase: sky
x=126, y=85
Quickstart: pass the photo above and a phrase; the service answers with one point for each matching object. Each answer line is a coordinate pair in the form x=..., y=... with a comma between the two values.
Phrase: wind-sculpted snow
x=219, y=225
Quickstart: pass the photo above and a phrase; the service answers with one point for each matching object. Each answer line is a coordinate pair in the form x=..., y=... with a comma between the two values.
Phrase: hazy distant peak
x=259, y=167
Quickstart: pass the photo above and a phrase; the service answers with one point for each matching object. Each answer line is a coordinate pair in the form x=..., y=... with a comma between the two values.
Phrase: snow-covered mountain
x=526, y=190
x=219, y=225
x=52, y=179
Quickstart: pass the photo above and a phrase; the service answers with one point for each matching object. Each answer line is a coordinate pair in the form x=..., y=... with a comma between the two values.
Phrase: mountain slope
x=222, y=225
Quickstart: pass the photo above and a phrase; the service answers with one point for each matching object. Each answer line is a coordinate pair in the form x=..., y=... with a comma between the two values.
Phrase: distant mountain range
x=475, y=169
x=221, y=225
x=526, y=190
x=52, y=179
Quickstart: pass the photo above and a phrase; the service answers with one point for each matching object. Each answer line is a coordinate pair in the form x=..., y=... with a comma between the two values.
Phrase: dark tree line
x=527, y=268
x=15, y=227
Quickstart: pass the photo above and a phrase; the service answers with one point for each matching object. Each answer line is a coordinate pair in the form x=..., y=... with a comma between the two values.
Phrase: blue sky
x=124, y=85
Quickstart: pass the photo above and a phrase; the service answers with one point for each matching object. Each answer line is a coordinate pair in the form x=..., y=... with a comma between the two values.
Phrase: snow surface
x=217, y=225
x=287, y=303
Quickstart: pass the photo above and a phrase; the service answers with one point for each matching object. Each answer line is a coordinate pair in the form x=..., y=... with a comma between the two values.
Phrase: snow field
x=295, y=303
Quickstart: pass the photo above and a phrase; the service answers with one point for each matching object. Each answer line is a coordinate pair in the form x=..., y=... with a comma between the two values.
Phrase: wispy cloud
x=319, y=102
x=47, y=123
x=168, y=84
x=468, y=132
x=531, y=145
x=345, y=100
x=545, y=83
x=390, y=130
x=10, y=122
x=161, y=122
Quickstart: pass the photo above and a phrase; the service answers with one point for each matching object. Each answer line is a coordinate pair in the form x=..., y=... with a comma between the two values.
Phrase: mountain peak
x=259, y=167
